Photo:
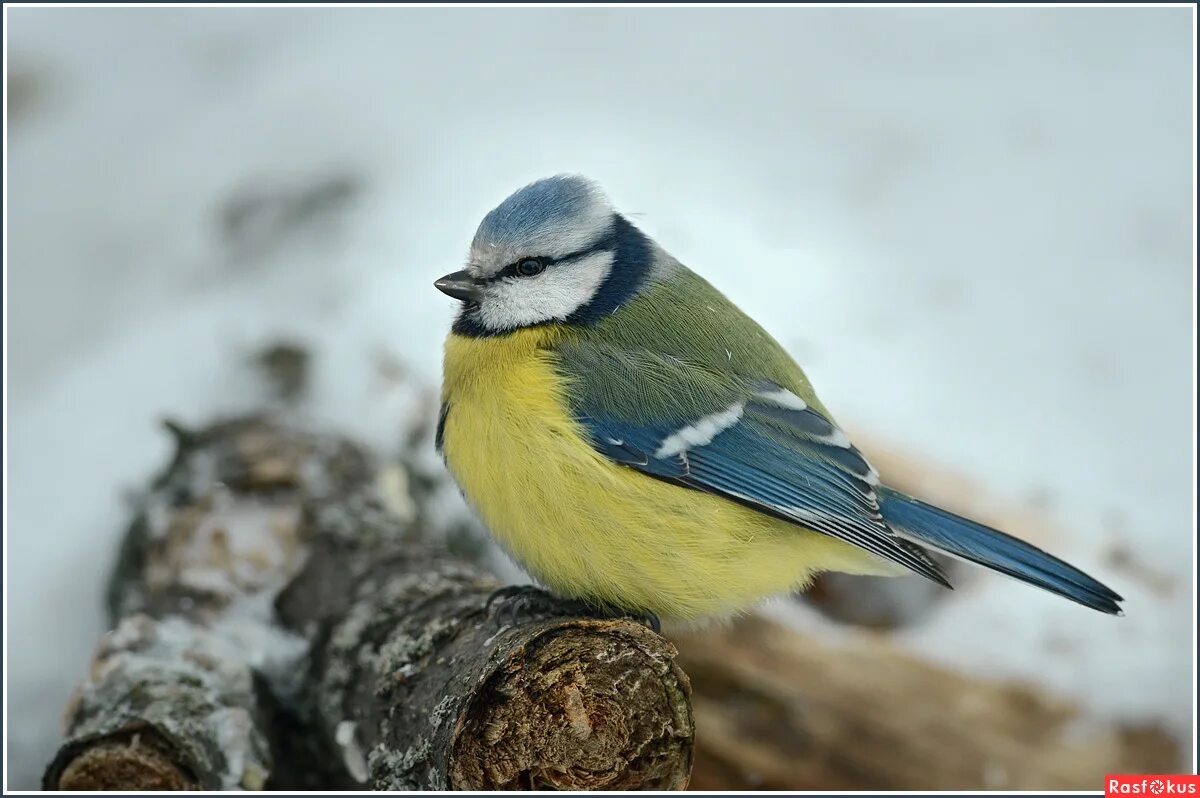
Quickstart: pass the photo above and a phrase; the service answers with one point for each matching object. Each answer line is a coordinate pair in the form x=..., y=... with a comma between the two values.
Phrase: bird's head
x=554, y=251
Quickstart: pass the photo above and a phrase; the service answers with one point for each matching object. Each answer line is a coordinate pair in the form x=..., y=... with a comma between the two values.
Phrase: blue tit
x=634, y=440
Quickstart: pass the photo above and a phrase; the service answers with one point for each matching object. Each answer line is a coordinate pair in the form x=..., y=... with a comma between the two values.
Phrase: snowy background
x=973, y=227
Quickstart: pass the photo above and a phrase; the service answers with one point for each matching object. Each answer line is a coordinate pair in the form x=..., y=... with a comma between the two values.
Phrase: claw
x=505, y=593
x=514, y=600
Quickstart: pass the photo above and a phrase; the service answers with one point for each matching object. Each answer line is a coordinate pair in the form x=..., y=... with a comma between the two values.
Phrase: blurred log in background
x=776, y=709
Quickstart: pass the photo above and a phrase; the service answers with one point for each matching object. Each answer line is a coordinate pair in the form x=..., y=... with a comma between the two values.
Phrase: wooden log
x=780, y=710
x=284, y=619
x=163, y=709
x=175, y=695
x=419, y=684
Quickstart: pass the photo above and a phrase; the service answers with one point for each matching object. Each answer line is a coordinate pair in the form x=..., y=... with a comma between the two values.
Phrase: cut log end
x=587, y=704
x=121, y=762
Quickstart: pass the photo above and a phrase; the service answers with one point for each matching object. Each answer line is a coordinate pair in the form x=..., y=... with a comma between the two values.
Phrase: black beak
x=460, y=285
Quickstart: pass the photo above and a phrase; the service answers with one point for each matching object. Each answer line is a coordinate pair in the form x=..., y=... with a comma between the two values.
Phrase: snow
x=972, y=226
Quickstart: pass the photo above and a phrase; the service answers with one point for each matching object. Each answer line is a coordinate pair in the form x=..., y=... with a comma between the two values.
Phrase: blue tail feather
x=941, y=530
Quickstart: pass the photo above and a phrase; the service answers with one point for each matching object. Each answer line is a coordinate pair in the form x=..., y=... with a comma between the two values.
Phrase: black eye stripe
x=583, y=253
x=514, y=269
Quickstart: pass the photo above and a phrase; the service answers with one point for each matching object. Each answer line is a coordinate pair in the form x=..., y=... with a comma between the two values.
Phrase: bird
x=634, y=441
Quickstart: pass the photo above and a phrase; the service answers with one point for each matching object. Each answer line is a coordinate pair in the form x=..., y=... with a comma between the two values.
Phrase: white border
x=1195, y=475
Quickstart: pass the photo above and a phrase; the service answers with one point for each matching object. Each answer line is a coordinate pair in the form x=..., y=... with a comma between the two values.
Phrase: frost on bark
x=166, y=707
x=281, y=619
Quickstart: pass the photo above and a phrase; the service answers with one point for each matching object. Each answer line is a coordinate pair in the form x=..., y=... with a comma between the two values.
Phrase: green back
x=679, y=349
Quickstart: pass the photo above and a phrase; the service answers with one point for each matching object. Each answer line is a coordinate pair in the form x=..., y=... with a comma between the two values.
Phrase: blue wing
x=769, y=451
x=758, y=444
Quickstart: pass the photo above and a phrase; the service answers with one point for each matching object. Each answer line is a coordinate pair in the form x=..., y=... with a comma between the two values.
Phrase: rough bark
x=419, y=683
x=165, y=707
x=283, y=620
x=175, y=695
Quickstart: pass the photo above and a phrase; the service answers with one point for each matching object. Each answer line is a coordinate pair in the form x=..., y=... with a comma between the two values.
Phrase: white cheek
x=553, y=295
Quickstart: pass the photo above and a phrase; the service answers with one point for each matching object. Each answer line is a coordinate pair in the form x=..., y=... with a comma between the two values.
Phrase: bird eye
x=530, y=267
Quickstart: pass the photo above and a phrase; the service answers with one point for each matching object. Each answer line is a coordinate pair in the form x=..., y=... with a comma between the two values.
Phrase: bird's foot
x=528, y=600
x=509, y=603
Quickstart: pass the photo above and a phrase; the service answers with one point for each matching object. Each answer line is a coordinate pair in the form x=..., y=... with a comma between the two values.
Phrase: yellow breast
x=589, y=528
